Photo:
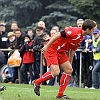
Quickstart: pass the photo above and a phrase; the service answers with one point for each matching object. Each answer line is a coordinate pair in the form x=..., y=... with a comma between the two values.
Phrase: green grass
x=25, y=92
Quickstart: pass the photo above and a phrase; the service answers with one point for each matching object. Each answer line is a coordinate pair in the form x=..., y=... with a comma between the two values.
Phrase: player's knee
x=69, y=71
x=56, y=73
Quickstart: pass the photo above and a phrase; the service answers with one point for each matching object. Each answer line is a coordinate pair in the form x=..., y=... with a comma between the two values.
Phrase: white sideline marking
x=25, y=89
x=29, y=89
x=18, y=87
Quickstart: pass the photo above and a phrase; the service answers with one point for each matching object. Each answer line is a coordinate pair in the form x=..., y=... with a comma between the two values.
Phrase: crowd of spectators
x=29, y=45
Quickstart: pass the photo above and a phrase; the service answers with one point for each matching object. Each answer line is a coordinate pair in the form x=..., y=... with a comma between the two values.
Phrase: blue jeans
x=10, y=70
x=96, y=74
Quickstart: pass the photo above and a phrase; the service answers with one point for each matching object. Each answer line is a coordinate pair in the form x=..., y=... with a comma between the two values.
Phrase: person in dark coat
x=20, y=38
x=37, y=45
x=3, y=40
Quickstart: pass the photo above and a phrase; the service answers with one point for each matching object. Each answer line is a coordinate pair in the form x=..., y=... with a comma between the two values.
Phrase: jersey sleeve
x=71, y=32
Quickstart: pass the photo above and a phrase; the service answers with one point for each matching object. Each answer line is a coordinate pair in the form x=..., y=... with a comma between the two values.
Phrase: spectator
x=3, y=40
x=80, y=22
x=76, y=61
x=42, y=24
x=96, y=60
x=55, y=28
x=31, y=33
x=14, y=26
x=28, y=59
x=37, y=45
x=12, y=45
x=86, y=59
x=12, y=40
x=20, y=37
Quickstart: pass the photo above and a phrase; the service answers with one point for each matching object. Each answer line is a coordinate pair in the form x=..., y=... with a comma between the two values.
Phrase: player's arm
x=54, y=38
x=71, y=55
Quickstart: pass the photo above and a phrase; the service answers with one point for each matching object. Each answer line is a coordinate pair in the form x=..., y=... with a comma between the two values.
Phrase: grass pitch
x=25, y=92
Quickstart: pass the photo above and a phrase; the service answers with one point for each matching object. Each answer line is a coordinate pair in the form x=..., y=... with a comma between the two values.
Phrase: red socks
x=63, y=83
x=44, y=77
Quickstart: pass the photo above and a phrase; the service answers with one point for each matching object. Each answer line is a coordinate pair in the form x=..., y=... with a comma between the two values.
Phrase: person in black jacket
x=20, y=38
x=3, y=40
x=37, y=45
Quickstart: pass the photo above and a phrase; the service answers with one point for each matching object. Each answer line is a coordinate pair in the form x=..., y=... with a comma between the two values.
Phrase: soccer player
x=55, y=54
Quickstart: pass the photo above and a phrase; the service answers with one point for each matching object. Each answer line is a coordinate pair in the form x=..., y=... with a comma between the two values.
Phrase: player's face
x=89, y=32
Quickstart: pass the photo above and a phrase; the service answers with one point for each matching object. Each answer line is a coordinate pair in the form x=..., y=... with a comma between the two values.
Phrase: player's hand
x=44, y=49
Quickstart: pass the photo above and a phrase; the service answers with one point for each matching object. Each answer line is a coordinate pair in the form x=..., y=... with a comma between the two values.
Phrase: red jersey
x=70, y=39
x=28, y=56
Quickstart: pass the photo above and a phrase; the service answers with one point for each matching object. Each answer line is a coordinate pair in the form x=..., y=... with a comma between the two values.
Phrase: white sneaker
x=92, y=88
x=86, y=87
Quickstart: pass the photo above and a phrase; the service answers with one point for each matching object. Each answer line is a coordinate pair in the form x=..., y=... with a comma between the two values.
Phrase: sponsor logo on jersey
x=69, y=32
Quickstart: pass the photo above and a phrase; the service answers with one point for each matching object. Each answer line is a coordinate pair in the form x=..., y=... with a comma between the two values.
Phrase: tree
x=61, y=14
x=28, y=12
x=23, y=12
x=88, y=8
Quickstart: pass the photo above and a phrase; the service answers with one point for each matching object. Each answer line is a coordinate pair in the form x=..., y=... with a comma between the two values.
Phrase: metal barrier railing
x=10, y=50
x=41, y=56
x=80, y=77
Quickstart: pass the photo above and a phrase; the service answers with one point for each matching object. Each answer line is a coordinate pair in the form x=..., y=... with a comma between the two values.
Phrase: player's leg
x=52, y=62
x=46, y=76
x=67, y=68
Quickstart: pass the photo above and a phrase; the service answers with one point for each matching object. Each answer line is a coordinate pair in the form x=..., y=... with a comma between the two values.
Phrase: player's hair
x=88, y=24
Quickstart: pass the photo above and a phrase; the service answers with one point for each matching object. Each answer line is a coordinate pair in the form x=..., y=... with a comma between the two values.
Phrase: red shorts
x=55, y=58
